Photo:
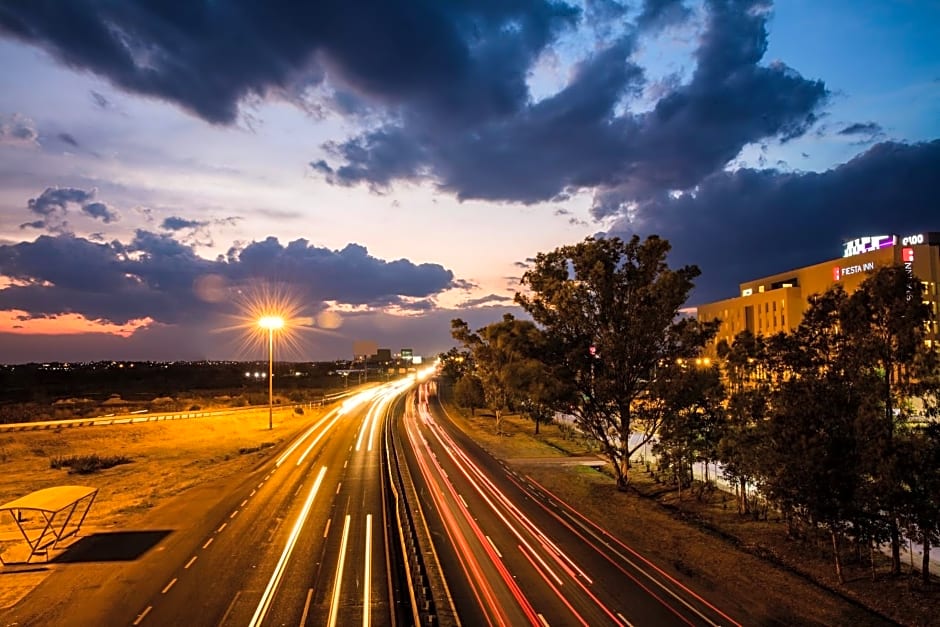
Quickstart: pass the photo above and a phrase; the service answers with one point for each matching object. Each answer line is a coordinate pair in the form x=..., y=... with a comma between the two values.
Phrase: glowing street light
x=271, y=323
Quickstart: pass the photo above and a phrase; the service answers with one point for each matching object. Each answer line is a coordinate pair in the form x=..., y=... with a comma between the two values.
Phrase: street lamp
x=271, y=323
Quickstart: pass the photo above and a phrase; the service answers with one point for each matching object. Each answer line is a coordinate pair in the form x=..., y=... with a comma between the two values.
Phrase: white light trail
x=337, y=583
x=275, y=580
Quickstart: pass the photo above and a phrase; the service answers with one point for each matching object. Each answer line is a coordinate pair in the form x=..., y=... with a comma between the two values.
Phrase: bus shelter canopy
x=61, y=509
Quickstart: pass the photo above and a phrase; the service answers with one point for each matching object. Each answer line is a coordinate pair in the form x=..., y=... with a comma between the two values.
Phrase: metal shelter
x=61, y=510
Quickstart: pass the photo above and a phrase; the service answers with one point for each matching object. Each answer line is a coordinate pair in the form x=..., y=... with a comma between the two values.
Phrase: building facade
x=776, y=303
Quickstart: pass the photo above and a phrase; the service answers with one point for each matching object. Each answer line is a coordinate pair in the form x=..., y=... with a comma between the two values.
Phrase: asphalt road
x=301, y=541
x=513, y=554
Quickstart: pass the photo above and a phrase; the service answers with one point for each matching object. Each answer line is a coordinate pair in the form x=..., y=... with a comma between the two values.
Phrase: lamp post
x=271, y=323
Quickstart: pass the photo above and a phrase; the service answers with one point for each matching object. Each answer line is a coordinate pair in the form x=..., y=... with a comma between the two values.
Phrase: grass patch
x=87, y=464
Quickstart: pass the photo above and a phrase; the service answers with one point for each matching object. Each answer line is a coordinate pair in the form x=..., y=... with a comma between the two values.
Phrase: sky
x=171, y=170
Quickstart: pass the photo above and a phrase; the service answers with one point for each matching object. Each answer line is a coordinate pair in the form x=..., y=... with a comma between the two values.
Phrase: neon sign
x=838, y=273
x=868, y=244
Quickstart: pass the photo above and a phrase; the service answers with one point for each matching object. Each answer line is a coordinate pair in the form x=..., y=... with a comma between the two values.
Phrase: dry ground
x=748, y=568
x=166, y=459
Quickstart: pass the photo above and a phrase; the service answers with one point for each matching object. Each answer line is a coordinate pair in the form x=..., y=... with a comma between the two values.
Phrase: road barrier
x=137, y=417
x=424, y=609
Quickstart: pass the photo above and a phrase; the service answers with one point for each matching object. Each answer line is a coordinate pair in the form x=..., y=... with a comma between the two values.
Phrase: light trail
x=317, y=439
x=275, y=580
x=306, y=434
x=487, y=547
x=367, y=577
x=338, y=581
x=480, y=480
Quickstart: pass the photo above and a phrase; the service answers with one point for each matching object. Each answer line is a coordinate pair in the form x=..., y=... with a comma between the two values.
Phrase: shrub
x=299, y=410
x=87, y=464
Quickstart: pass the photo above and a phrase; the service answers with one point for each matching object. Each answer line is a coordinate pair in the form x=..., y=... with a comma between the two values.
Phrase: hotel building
x=776, y=303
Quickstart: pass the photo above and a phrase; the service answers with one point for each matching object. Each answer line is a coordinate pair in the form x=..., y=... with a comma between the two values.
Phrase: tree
x=455, y=364
x=500, y=352
x=919, y=457
x=612, y=309
x=884, y=320
x=468, y=392
x=693, y=418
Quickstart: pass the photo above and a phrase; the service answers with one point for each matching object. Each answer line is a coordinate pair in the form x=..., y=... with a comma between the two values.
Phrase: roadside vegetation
x=829, y=429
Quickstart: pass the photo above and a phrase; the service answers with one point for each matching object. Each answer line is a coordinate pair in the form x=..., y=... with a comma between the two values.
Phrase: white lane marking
x=268, y=595
x=252, y=493
x=169, y=585
x=219, y=530
x=493, y=544
x=243, y=503
x=337, y=582
x=190, y=562
x=234, y=514
x=625, y=621
x=326, y=531
x=303, y=617
x=208, y=542
x=141, y=616
x=367, y=578
x=542, y=620
x=231, y=606
x=346, y=463
x=338, y=486
x=460, y=496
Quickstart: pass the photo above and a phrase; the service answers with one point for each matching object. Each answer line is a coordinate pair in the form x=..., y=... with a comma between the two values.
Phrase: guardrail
x=423, y=608
x=137, y=417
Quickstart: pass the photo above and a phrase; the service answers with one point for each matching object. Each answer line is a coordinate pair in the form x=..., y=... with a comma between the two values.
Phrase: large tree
x=611, y=308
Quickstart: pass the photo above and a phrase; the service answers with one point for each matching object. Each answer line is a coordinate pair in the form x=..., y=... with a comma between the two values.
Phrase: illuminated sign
x=861, y=245
x=913, y=240
x=839, y=273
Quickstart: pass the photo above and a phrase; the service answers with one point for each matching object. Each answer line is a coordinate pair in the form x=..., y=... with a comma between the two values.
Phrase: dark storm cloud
x=582, y=138
x=750, y=223
x=470, y=58
x=154, y=275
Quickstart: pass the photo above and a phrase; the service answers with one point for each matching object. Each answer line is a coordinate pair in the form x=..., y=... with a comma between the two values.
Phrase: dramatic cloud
x=469, y=58
x=584, y=138
x=749, y=223
x=17, y=130
x=154, y=276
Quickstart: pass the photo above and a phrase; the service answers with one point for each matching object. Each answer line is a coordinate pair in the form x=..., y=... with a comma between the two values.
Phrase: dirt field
x=748, y=568
x=166, y=458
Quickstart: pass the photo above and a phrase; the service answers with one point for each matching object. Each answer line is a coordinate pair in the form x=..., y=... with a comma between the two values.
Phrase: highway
x=515, y=554
x=301, y=541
